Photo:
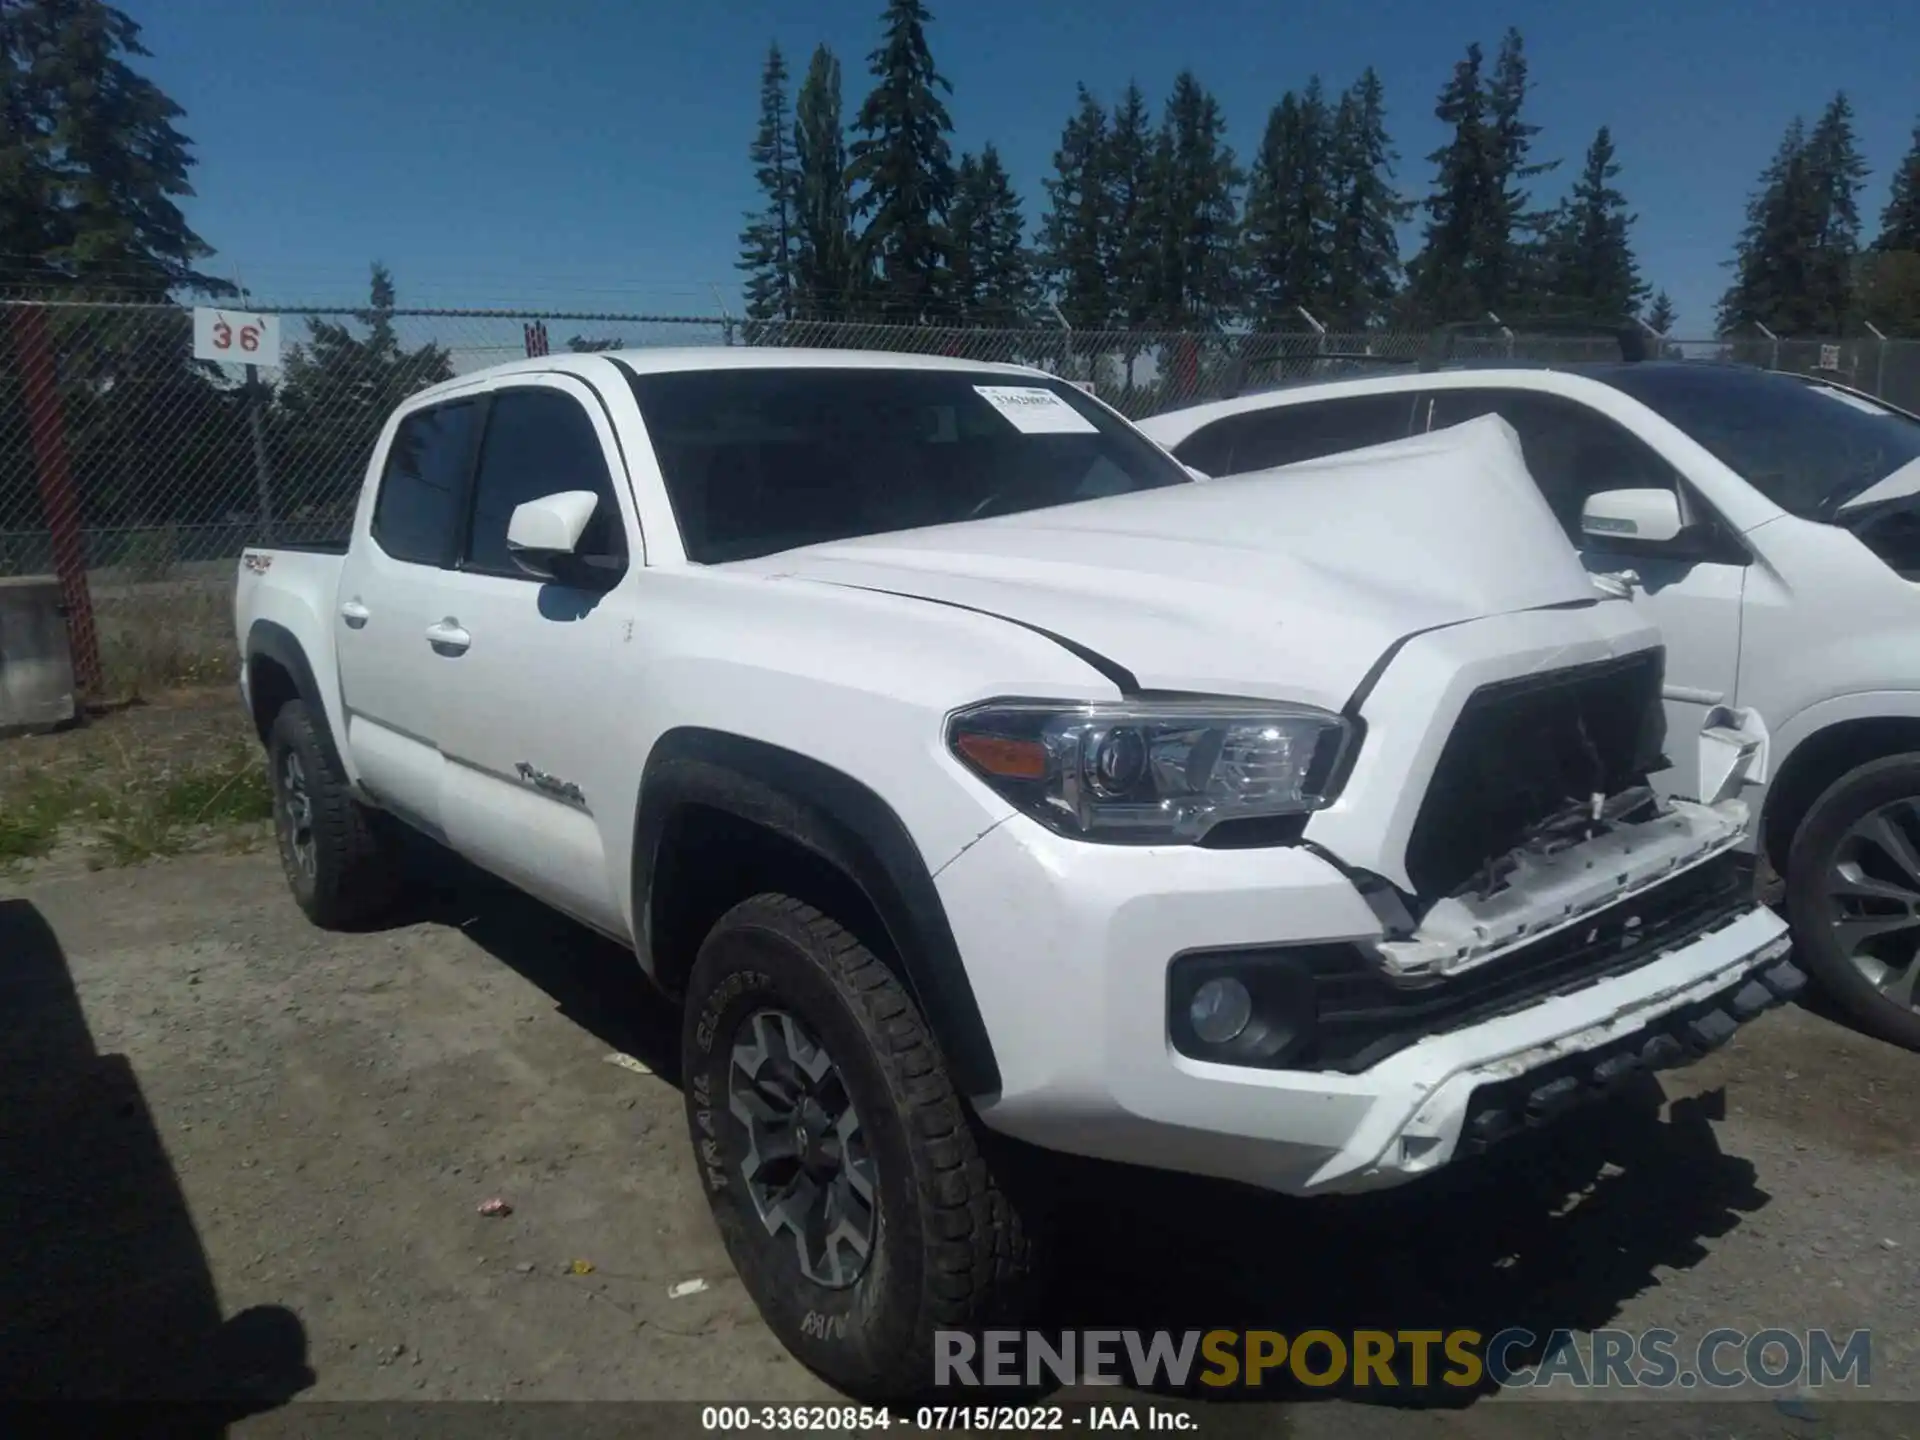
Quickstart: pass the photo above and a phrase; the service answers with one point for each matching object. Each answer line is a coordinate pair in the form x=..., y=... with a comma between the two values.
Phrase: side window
x=417, y=511
x=540, y=442
x=1572, y=450
x=1289, y=434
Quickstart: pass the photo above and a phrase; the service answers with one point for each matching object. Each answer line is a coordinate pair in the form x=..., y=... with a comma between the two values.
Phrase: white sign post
x=241, y=337
x=236, y=336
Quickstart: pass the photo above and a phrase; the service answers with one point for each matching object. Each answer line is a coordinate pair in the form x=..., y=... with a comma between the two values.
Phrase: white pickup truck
x=984, y=785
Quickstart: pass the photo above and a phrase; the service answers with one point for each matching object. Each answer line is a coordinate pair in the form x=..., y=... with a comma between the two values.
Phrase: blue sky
x=587, y=155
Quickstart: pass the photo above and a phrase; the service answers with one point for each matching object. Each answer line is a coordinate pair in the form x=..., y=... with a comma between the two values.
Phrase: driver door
x=535, y=707
x=1691, y=587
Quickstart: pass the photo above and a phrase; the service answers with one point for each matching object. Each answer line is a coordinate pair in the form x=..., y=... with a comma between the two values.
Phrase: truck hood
x=1288, y=583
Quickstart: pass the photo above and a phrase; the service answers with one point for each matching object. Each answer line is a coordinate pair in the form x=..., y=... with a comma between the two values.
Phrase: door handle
x=355, y=614
x=447, y=638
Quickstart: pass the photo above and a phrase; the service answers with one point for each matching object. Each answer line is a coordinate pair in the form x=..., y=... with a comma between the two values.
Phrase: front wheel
x=1853, y=895
x=843, y=1169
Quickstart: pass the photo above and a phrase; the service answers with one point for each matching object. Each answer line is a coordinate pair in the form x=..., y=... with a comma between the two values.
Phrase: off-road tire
x=951, y=1248
x=353, y=876
x=1848, y=800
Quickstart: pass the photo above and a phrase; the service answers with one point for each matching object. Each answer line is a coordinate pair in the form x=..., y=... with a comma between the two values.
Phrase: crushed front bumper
x=1075, y=942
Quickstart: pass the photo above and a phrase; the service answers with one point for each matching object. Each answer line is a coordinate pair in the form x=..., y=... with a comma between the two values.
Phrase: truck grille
x=1524, y=751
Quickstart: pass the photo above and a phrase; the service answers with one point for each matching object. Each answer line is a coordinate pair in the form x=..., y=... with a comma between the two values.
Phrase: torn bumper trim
x=1506, y=1107
x=1449, y=1080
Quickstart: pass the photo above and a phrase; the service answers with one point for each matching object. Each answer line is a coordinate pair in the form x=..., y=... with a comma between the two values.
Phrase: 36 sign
x=236, y=337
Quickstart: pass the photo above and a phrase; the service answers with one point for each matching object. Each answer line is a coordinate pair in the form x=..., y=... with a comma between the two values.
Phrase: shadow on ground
x=1555, y=1231
x=106, y=1296
x=594, y=982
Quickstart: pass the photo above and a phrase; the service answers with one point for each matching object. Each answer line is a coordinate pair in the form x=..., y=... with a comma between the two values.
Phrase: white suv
x=1771, y=524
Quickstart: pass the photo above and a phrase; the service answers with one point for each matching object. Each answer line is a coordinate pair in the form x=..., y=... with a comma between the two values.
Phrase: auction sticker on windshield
x=1036, y=410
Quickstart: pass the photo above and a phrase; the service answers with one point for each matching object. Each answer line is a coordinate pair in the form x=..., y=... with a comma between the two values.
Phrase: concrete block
x=36, y=665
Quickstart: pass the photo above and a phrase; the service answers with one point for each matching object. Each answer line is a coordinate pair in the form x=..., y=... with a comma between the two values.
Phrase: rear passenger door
x=389, y=602
x=1285, y=434
x=532, y=710
x=1692, y=588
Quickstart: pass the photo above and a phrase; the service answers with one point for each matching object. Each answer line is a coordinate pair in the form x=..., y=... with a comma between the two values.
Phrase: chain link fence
x=138, y=473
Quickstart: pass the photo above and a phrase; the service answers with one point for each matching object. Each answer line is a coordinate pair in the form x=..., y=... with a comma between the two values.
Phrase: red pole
x=57, y=496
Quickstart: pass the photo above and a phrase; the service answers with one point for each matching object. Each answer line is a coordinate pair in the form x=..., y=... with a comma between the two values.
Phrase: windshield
x=1805, y=446
x=760, y=460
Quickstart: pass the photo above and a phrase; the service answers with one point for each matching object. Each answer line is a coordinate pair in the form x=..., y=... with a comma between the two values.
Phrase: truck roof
x=655, y=360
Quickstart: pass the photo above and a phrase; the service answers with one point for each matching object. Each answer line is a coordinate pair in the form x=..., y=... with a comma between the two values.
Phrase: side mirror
x=1646, y=517
x=543, y=535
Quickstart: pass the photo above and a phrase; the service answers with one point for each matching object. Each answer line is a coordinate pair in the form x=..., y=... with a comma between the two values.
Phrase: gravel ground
x=238, y=1154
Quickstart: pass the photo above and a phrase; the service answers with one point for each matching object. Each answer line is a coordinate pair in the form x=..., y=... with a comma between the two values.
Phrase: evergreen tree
x=1838, y=173
x=1133, y=221
x=768, y=243
x=1661, y=315
x=1445, y=280
x=992, y=272
x=1195, y=188
x=1775, y=260
x=91, y=147
x=1075, y=237
x=1591, y=270
x=823, y=264
x=1900, y=222
x=1512, y=237
x=29, y=203
x=1287, y=231
x=338, y=389
x=904, y=165
x=1363, y=263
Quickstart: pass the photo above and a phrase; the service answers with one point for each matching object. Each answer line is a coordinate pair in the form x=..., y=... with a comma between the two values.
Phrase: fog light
x=1220, y=1010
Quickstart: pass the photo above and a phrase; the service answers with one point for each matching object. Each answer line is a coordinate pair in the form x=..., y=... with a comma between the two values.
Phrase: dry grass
x=183, y=772
x=161, y=636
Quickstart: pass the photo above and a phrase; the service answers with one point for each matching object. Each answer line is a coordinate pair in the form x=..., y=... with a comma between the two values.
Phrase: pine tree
x=1512, y=241
x=90, y=146
x=991, y=267
x=1661, y=315
x=823, y=264
x=1838, y=173
x=29, y=203
x=768, y=242
x=1075, y=235
x=1590, y=267
x=1900, y=221
x=1363, y=264
x=1775, y=260
x=903, y=163
x=1195, y=185
x=1446, y=280
x=1287, y=230
x=338, y=389
x=1133, y=221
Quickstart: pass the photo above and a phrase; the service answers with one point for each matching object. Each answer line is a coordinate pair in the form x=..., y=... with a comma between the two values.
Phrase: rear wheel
x=1853, y=892
x=850, y=1183
x=336, y=852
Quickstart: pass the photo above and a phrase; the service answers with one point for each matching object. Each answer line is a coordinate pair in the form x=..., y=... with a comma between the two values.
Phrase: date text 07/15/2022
x=790, y=1419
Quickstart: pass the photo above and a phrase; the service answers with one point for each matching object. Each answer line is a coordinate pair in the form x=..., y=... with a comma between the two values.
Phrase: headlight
x=1152, y=771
